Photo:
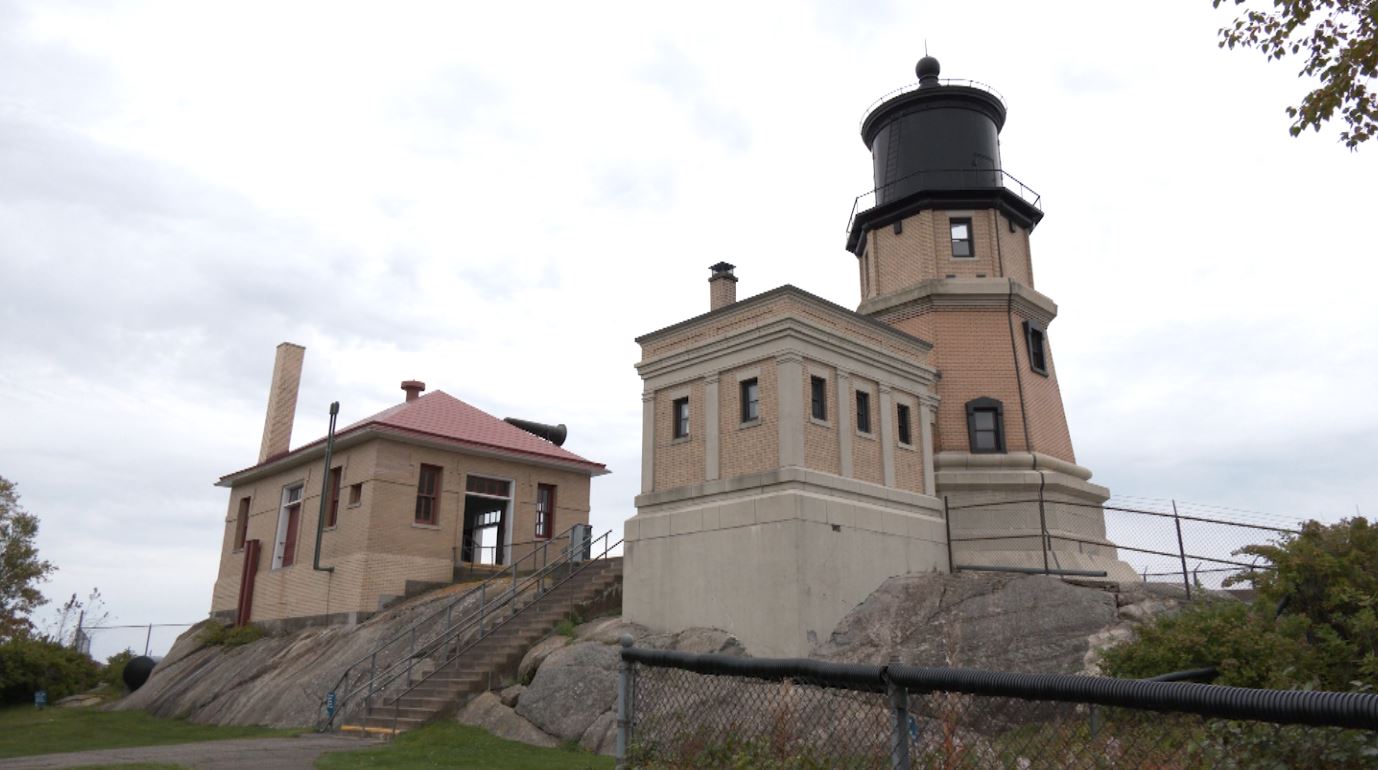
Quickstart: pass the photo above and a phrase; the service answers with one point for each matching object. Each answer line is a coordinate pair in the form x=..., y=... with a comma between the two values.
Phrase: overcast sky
x=497, y=198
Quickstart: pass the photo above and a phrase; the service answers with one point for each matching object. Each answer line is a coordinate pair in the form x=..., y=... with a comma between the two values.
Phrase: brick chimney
x=414, y=389
x=722, y=286
x=282, y=401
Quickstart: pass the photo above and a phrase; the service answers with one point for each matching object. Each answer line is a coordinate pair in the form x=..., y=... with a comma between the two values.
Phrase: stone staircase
x=493, y=660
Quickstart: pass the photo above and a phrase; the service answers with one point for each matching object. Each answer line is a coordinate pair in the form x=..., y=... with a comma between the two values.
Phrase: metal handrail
x=916, y=85
x=608, y=546
x=371, y=657
x=380, y=681
x=981, y=176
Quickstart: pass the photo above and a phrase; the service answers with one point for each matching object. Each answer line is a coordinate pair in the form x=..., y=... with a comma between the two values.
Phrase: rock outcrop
x=998, y=622
x=572, y=695
x=277, y=681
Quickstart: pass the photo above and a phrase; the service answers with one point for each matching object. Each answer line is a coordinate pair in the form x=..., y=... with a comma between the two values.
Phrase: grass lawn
x=135, y=766
x=458, y=746
x=25, y=730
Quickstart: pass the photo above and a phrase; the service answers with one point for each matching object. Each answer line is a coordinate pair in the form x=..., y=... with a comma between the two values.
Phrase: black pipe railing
x=1353, y=710
x=944, y=179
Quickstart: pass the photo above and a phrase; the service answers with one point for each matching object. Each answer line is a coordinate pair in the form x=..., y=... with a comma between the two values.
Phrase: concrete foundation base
x=776, y=558
x=998, y=504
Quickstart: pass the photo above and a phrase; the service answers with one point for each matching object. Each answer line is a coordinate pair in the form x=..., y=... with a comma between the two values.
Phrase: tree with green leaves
x=20, y=568
x=1338, y=39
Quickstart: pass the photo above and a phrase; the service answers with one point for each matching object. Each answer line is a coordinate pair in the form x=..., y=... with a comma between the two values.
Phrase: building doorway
x=487, y=516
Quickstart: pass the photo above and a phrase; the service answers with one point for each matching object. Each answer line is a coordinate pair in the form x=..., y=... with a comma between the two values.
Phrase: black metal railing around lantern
x=943, y=179
x=916, y=85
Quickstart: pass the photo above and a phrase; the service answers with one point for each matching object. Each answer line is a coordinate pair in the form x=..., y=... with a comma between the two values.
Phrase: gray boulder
x=487, y=711
x=511, y=695
x=536, y=656
x=601, y=736
x=571, y=689
x=609, y=630
x=974, y=620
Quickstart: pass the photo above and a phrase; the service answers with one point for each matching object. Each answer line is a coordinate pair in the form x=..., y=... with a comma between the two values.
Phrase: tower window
x=751, y=400
x=680, y=412
x=902, y=412
x=818, y=397
x=986, y=425
x=863, y=411
x=961, y=237
x=1035, y=336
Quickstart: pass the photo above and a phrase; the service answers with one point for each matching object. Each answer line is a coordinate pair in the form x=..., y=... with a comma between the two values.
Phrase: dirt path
x=298, y=753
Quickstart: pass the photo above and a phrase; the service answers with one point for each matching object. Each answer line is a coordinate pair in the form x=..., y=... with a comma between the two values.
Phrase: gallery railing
x=943, y=179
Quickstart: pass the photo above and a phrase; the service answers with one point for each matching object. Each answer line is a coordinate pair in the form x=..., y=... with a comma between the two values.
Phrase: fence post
x=625, y=686
x=148, y=640
x=899, y=734
x=1181, y=549
x=947, y=522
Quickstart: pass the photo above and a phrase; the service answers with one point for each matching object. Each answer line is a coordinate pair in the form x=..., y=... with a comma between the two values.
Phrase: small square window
x=1035, y=337
x=902, y=412
x=680, y=412
x=863, y=411
x=818, y=398
x=961, y=238
x=751, y=400
x=356, y=494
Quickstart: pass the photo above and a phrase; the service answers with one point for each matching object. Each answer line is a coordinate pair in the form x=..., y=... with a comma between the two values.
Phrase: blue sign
x=40, y=699
x=330, y=704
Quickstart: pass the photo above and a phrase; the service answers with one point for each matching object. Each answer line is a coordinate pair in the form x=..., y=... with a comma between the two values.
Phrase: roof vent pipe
x=555, y=434
x=414, y=389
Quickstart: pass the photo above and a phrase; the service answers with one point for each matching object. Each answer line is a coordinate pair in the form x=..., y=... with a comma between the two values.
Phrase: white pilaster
x=887, y=435
x=789, y=378
x=844, y=422
x=710, y=427
x=928, y=414
x=648, y=442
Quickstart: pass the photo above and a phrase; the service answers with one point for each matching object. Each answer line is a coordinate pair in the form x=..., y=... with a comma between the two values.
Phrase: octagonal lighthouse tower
x=942, y=247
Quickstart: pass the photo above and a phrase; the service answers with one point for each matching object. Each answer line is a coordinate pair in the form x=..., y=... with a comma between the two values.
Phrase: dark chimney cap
x=927, y=70
x=413, y=388
x=722, y=268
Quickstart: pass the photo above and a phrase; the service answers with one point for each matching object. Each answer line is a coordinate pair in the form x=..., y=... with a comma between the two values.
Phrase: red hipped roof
x=439, y=415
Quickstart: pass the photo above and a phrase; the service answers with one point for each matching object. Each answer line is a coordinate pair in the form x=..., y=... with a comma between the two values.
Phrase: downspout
x=325, y=489
x=1023, y=411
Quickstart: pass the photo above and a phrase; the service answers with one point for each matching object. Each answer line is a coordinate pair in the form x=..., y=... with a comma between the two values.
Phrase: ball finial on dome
x=927, y=69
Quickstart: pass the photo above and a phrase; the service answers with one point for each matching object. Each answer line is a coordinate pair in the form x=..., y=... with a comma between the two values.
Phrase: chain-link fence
x=678, y=710
x=1159, y=540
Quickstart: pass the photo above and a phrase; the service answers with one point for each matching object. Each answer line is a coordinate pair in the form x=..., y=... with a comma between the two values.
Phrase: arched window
x=986, y=425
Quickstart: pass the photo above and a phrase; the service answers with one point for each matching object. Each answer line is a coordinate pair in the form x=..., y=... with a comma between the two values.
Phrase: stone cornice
x=787, y=336
x=963, y=293
x=794, y=292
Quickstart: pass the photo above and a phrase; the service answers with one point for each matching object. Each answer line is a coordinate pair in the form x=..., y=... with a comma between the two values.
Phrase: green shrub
x=1312, y=624
x=230, y=636
x=29, y=664
x=113, y=673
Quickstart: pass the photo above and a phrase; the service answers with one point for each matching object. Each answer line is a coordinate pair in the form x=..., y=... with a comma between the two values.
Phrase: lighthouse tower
x=942, y=248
